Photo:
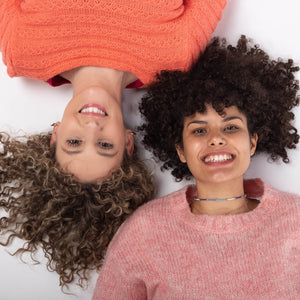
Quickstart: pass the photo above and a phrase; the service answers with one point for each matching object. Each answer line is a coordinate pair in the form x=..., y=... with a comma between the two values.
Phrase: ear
x=54, y=134
x=253, y=143
x=180, y=153
x=129, y=142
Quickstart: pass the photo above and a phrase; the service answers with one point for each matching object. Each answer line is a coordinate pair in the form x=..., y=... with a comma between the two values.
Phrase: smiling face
x=91, y=138
x=216, y=148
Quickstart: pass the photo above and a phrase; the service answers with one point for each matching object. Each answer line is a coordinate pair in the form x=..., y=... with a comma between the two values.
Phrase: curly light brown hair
x=72, y=222
x=264, y=90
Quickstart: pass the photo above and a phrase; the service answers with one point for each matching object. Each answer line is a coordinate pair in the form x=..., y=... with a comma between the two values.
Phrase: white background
x=32, y=106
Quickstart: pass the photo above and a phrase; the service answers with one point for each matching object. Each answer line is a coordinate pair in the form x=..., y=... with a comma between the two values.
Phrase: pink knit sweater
x=163, y=251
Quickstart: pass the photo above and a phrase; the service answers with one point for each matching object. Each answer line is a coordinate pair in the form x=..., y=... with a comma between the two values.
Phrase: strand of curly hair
x=72, y=222
x=265, y=90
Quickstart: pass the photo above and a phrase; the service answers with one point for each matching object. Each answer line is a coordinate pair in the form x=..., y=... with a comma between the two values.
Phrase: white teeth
x=217, y=158
x=93, y=110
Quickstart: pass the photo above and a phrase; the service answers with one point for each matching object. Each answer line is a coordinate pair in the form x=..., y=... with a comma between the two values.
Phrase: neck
x=222, y=190
x=111, y=80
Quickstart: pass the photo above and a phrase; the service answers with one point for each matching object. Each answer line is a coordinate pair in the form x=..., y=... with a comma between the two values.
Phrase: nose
x=217, y=140
x=92, y=123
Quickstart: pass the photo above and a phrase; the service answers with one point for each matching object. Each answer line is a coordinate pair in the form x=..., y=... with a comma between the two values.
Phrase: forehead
x=211, y=113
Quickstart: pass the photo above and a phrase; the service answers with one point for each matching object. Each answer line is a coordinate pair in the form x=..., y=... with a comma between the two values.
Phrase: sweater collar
x=254, y=188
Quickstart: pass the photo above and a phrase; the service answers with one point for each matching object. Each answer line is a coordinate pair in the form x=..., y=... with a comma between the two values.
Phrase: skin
x=90, y=145
x=207, y=137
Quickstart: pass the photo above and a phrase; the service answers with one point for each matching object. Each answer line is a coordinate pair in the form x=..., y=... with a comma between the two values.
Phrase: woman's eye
x=199, y=131
x=73, y=142
x=105, y=145
x=231, y=128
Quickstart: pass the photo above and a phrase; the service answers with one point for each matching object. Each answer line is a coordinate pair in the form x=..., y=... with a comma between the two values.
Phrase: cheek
x=248, y=148
x=61, y=135
x=192, y=149
x=245, y=154
x=242, y=143
x=65, y=126
x=193, y=154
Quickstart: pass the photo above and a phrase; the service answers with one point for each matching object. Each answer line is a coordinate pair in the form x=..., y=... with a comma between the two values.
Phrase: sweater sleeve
x=8, y=15
x=203, y=19
x=129, y=270
x=115, y=283
x=119, y=277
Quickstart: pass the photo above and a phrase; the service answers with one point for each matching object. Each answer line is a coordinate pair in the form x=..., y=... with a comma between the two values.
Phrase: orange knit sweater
x=42, y=38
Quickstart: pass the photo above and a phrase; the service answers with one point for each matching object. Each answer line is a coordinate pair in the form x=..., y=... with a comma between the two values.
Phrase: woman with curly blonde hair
x=73, y=222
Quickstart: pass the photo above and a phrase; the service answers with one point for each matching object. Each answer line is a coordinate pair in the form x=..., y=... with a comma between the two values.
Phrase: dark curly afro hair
x=264, y=90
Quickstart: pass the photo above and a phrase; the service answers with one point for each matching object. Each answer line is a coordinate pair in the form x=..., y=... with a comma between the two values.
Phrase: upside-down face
x=91, y=138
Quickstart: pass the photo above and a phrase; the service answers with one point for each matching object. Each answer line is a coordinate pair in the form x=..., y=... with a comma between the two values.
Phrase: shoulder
x=284, y=197
x=149, y=219
x=259, y=188
x=206, y=9
x=157, y=209
x=288, y=202
x=273, y=199
x=161, y=204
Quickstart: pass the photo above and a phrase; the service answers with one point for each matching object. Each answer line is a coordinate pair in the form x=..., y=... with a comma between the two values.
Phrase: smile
x=93, y=109
x=218, y=158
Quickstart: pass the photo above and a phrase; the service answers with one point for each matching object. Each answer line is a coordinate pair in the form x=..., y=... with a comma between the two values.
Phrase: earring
x=132, y=133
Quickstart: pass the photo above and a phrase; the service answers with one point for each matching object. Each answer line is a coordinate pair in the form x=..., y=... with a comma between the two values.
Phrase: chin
x=222, y=178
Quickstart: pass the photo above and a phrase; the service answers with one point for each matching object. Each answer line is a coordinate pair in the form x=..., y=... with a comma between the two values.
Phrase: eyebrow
x=223, y=121
x=78, y=152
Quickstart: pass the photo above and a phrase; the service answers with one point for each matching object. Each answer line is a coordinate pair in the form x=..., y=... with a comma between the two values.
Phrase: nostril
x=217, y=141
x=92, y=124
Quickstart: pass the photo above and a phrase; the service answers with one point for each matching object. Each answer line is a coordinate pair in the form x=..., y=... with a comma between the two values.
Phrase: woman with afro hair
x=224, y=237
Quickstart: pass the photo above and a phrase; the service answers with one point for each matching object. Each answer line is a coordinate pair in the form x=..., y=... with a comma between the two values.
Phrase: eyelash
x=74, y=142
x=77, y=143
x=197, y=131
x=228, y=128
x=105, y=145
x=231, y=128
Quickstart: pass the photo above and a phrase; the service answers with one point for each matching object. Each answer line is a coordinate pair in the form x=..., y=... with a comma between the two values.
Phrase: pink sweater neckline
x=254, y=188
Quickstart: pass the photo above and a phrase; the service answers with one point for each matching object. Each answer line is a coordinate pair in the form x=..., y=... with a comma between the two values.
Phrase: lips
x=93, y=110
x=223, y=157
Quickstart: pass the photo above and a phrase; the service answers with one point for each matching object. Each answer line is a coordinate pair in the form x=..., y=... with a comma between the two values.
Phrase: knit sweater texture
x=42, y=38
x=164, y=251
